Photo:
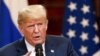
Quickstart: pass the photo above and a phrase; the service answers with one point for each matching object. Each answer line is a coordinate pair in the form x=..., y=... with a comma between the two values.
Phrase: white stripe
x=97, y=53
x=14, y=6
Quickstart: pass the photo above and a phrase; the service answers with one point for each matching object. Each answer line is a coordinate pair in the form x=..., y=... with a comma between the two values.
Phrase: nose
x=36, y=30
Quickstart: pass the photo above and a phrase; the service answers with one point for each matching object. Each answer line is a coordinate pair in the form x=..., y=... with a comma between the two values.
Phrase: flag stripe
x=8, y=30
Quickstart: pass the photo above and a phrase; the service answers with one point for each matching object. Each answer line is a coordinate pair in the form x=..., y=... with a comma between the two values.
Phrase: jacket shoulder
x=57, y=38
x=9, y=48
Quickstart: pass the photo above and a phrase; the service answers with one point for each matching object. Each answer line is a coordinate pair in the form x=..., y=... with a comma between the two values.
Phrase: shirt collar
x=31, y=48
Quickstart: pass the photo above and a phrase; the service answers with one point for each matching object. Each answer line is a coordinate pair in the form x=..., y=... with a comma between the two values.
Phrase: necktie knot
x=39, y=50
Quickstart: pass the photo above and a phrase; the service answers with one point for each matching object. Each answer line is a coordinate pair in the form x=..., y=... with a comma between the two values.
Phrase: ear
x=46, y=24
x=21, y=29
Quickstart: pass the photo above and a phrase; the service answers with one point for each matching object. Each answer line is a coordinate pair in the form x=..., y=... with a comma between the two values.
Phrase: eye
x=40, y=23
x=30, y=25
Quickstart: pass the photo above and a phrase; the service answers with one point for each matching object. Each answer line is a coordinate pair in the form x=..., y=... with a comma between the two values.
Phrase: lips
x=36, y=37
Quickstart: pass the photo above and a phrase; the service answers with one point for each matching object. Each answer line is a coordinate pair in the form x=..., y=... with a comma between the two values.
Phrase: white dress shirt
x=32, y=49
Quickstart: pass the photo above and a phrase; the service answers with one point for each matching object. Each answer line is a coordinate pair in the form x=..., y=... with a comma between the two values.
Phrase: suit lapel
x=50, y=47
x=21, y=48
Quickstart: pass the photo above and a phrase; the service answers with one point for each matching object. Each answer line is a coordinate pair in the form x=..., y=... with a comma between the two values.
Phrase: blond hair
x=35, y=11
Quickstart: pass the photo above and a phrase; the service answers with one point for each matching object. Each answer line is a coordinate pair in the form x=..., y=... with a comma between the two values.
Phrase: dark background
x=55, y=12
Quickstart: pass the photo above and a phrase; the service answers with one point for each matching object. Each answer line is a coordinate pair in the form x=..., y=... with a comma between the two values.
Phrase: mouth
x=36, y=37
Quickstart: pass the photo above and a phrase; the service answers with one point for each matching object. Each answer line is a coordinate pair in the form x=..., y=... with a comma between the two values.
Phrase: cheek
x=43, y=33
x=27, y=33
x=43, y=29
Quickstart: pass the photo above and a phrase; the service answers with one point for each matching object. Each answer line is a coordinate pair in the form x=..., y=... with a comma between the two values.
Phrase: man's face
x=34, y=31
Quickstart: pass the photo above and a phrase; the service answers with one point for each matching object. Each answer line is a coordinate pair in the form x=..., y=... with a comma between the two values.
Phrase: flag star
x=83, y=50
x=85, y=9
x=85, y=22
x=96, y=26
x=96, y=39
x=84, y=36
x=72, y=6
x=72, y=20
x=71, y=33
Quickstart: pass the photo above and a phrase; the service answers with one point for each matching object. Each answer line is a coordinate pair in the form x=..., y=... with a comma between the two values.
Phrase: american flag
x=80, y=26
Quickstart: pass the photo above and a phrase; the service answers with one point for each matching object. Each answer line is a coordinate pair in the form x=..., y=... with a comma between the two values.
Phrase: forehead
x=35, y=20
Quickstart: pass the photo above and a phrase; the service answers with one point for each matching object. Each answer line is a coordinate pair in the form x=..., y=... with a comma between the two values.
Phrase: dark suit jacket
x=61, y=47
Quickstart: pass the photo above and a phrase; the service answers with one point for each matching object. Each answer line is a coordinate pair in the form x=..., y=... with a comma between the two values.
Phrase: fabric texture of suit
x=54, y=46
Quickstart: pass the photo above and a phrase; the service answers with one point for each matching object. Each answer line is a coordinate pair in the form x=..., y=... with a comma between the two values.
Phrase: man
x=33, y=22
